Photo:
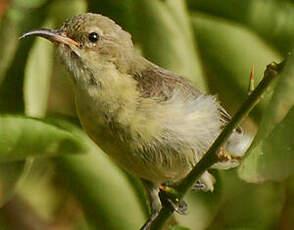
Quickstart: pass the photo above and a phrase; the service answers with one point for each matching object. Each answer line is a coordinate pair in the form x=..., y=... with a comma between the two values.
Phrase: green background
x=53, y=177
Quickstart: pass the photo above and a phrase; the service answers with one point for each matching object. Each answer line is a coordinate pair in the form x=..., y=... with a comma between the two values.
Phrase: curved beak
x=52, y=35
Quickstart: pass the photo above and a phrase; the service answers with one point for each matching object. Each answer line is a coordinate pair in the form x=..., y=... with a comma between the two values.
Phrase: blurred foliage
x=54, y=177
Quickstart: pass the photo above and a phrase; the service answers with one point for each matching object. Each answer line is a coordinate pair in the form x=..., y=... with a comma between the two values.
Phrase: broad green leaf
x=228, y=53
x=39, y=66
x=8, y=40
x=10, y=173
x=274, y=22
x=38, y=75
x=179, y=12
x=248, y=170
x=22, y=137
x=278, y=150
x=273, y=158
x=164, y=34
x=271, y=20
x=248, y=206
x=108, y=200
x=229, y=9
x=11, y=97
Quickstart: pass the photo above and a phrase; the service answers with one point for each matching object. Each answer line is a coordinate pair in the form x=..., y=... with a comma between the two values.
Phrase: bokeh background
x=53, y=177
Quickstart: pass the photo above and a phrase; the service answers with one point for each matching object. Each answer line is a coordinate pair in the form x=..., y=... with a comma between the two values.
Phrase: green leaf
x=12, y=86
x=39, y=66
x=248, y=206
x=8, y=40
x=271, y=20
x=228, y=52
x=108, y=200
x=274, y=22
x=22, y=137
x=273, y=158
x=38, y=75
x=229, y=9
x=164, y=34
x=278, y=150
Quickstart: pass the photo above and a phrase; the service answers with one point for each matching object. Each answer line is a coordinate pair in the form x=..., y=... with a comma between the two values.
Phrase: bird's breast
x=154, y=140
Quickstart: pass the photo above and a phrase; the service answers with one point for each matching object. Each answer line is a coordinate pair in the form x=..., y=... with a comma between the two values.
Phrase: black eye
x=93, y=37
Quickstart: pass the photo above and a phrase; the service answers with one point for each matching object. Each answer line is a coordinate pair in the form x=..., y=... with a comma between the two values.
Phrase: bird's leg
x=154, y=202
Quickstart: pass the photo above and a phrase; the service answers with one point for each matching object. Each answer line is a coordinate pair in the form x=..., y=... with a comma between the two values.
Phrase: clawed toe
x=162, y=195
x=199, y=186
x=180, y=207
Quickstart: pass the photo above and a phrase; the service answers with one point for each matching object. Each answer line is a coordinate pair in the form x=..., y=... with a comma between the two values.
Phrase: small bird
x=152, y=122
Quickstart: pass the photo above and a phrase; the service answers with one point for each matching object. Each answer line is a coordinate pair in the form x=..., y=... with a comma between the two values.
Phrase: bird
x=152, y=122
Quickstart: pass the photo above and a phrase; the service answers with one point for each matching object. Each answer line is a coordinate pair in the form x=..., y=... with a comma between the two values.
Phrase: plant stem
x=211, y=156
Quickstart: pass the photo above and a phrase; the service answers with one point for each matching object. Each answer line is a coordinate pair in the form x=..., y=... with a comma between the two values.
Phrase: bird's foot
x=199, y=186
x=166, y=196
x=180, y=207
x=205, y=183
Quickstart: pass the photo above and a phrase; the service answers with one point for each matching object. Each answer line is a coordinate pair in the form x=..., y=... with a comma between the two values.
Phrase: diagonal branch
x=176, y=192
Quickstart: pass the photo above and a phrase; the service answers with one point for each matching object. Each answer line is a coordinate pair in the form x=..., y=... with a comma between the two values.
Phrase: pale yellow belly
x=155, y=158
x=157, y=167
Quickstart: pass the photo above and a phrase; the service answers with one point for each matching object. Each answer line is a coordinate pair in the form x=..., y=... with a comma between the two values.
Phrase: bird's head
x=89, y=40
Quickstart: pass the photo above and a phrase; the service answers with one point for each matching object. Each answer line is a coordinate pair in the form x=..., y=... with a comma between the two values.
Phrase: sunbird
x=154, y=123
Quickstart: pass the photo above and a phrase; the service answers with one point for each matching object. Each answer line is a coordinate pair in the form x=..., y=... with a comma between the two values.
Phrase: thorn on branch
x=251, y=80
